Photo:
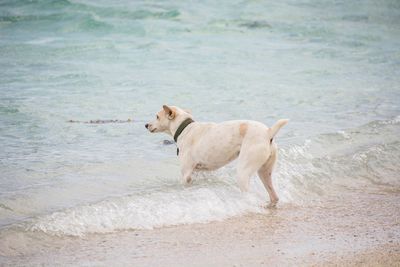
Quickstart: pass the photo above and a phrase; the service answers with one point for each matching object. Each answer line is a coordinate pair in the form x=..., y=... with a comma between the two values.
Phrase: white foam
x=44, y=40
x=395, y=120
x=296, y=177
x=146, y=211
x=344, y=134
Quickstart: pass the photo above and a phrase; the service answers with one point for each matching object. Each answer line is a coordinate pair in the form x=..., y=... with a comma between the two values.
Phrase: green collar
x=182, y=127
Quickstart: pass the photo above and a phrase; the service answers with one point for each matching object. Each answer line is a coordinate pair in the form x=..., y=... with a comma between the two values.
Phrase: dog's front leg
x=187, y=168
x=187, y=175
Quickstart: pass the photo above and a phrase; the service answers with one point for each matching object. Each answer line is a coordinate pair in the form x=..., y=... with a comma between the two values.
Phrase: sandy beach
x=353, y=229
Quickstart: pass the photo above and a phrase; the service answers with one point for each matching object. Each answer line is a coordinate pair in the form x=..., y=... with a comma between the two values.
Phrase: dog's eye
x=158, y=117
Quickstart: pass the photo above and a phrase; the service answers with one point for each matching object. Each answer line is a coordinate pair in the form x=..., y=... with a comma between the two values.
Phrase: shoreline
x=354, y=229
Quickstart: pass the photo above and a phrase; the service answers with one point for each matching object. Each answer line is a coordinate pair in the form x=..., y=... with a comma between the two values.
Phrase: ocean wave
x=77, y=16
x=53, y=10
x=147, y=211
x=366, y=155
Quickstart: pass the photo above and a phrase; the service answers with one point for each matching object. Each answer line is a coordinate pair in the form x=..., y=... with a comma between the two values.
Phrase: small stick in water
x=101, y=121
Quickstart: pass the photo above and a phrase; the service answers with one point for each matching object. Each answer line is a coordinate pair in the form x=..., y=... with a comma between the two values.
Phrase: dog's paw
x=272, y=205
x=187, y=181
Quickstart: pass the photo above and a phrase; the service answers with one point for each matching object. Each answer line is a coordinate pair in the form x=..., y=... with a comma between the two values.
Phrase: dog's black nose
x=147, y=126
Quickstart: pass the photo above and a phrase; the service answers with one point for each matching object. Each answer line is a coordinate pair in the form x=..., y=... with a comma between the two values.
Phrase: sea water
x=331, y=67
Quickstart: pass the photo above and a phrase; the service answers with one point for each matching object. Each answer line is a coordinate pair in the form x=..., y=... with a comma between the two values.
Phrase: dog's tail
x=276, y=127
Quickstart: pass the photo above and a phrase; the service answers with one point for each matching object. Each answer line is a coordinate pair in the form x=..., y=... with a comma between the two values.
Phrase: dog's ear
x=169, y=111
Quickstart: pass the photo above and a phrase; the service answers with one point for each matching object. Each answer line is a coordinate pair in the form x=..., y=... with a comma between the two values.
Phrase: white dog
x=209, y=146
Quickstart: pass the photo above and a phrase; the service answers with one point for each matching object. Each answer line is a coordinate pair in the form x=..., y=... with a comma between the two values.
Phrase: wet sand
x=353, y=229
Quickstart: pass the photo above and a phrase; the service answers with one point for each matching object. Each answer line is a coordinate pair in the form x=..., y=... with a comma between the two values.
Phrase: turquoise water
x=332, y=67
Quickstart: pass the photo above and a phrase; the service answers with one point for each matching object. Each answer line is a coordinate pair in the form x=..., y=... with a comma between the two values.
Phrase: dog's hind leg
x=250, y=160
x=265, y=174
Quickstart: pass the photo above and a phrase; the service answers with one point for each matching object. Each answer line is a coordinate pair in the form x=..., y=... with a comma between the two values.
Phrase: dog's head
x=168, y=118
